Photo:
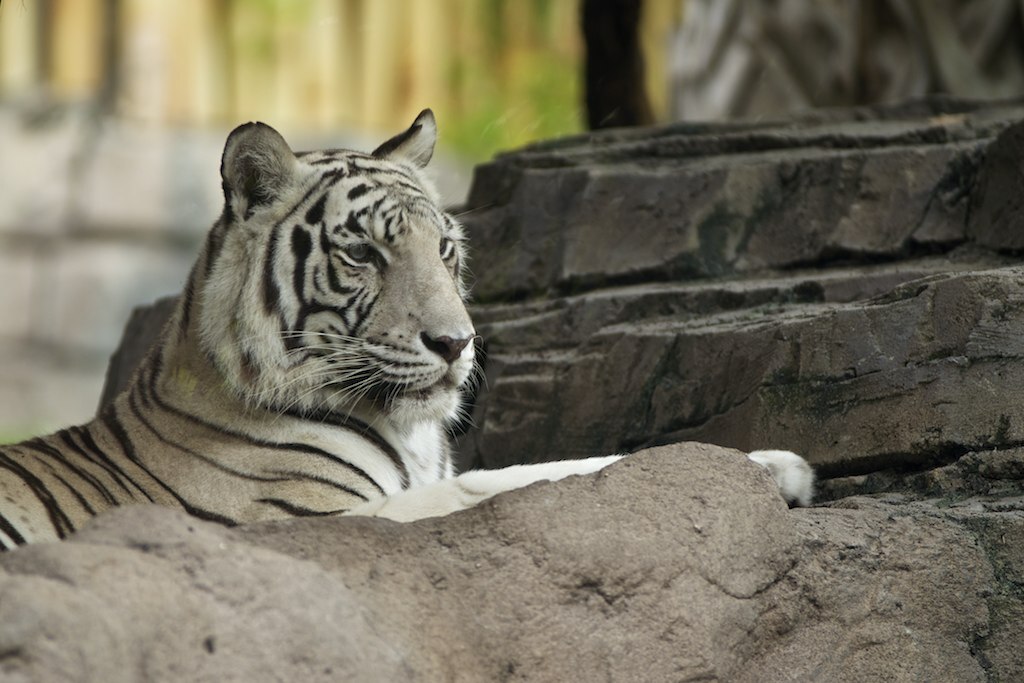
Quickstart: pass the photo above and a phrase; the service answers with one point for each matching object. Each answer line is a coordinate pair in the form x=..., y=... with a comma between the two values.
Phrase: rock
x=680, y=563
x=997, y=208
x=909, y=378
x=691, y=201
x=140, y=333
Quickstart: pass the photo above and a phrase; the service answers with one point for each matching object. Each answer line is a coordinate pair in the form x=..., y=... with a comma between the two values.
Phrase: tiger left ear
x=257, y=165
x=415, y=144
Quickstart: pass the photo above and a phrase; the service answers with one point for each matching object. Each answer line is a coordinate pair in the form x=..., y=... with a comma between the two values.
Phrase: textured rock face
x=843, y=286
x=899, y=379
x=681, y=563
x=698, y=201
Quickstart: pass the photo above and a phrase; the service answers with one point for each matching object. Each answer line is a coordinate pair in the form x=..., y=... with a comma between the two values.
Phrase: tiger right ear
x=415, y=144
x=256, y=166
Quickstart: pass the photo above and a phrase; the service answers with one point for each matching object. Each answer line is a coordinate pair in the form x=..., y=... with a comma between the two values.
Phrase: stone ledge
x=685, y=202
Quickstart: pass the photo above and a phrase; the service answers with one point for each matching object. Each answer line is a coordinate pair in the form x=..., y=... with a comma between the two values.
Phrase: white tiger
x=318, y=351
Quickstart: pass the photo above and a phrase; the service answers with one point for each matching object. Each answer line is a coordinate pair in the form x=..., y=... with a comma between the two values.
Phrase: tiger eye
x=361, y=252
x=447, y=248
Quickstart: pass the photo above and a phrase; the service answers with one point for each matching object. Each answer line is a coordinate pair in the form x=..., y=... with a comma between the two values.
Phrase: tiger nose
x=444, y=346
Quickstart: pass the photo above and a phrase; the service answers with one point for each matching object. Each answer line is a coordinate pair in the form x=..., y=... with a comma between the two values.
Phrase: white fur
x=470, y=488
x=791, y=472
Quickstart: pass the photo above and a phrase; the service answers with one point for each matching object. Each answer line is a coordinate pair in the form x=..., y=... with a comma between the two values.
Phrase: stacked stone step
x=844, y=285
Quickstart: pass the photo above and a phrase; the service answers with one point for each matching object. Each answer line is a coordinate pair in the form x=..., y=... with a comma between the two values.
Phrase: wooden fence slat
x=76, y=45
x=347, y=86
x=430, y=56
x=18, y=64
x=384, y=44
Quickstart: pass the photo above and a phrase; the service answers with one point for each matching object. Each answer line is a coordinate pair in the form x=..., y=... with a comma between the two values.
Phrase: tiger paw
x=793, y=475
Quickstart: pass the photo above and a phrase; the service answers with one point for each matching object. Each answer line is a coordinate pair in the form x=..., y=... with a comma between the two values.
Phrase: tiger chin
x=314, y=360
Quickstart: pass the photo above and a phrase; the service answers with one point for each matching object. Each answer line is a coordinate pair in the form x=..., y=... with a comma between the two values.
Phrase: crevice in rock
x=686, y=269
x=901, y=463
x=917, y=473
x=838, y=257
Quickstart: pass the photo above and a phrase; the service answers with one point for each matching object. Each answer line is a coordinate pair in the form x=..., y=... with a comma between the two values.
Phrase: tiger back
x=313, y=361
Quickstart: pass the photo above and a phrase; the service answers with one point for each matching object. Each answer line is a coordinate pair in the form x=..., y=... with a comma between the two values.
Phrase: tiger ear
x=256, y=166
x=415, y=144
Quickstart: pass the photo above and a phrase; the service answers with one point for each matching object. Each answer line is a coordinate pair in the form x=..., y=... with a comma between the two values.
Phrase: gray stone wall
x=96, y=216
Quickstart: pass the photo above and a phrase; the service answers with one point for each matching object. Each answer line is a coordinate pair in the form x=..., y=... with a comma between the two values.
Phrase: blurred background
x=113, y=114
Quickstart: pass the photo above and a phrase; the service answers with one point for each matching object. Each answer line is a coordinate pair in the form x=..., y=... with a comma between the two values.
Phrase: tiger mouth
x=389, y=391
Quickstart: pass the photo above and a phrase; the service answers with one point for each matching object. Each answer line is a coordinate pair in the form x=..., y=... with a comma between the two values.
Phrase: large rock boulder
x=681, y=563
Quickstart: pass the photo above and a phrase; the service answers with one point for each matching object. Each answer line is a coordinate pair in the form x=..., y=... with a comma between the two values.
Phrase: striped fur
x=311, y=365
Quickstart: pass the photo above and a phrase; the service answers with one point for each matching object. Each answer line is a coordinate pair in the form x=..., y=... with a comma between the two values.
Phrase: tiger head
x=333, y=280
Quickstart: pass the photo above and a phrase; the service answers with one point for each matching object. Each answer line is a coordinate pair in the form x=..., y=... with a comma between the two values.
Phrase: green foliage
x=539, y=99
x=14, y=433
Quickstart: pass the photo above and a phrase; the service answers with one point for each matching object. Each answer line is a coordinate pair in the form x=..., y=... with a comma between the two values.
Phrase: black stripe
x=325, y=240
x=214, y=245
x=110, y=421
x=290, y=475
x=375, y=207
x=296, y=510
x=362, y=311
x=11, y=531
x=48, y=450
x=104, y=461
x=58, y=520
x=358, y=191
x=362, y=429
x=187, y=301
x=271, y=293
x=203, y=458
x=316, y=212
x=301, y=246
x=335, y=282
x=300, y=447
x=353, y=225
x=136, y=390
x=315, y=307
x=74, y=492
x=65, y=436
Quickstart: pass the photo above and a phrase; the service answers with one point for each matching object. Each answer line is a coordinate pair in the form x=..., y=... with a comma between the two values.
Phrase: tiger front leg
x=470, y=488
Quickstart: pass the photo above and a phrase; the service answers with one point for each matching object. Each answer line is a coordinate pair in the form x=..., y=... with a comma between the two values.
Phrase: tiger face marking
x=342, y=281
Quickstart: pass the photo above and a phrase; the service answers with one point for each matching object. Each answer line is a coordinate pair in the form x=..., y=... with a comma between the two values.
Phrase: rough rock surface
x=681, y=563
x=845, y=286
x=927, y=370
x=699, y=201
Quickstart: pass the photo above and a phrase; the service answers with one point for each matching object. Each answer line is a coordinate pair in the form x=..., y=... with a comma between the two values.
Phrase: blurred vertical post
x=385, y=44
x=110, y=59
x=20, y=57
x=75, y=61
x=614, y=66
